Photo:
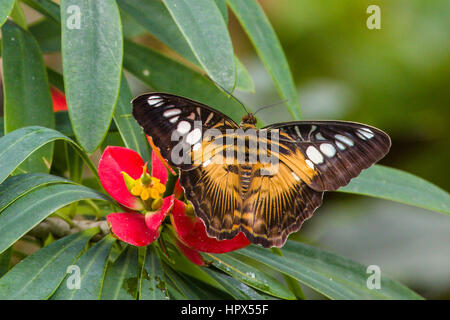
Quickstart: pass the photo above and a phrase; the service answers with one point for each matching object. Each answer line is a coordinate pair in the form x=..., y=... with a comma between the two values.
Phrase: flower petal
x=113, y=162
x=191, y=254
x=158, y=169
x=130, y=227
x=192, y=232
x=59, y=100
x=178, y=190
x=154, y=219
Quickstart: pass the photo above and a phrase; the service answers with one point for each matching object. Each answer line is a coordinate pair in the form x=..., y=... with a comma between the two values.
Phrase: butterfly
x=232, y=185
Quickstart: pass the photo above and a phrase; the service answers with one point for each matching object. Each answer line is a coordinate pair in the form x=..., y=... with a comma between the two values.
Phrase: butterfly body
x=262, y=182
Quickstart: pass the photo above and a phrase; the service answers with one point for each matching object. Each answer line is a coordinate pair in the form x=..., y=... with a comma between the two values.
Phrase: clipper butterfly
x=226, y=175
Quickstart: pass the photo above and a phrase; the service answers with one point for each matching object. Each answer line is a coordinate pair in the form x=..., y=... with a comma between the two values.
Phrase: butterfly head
x=248, y=119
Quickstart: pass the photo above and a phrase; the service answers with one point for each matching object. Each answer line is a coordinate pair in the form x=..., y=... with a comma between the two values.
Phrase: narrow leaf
x=331, y=275
x=92, y=63
x=5, y=261
x=249, y=275
x=46, y=7
x=268, y=47
x=204, y=28
x=6, y=7
x=92, y=265
x=152, y=284
x=396, y=185
x=16, y=146
x=27, y=94
x=16, y=186
x=244, y=81
x=159, y=23
x=131, y=133
x=237, y=289
x=26, y=212
x=47, y=33
x=121, y=279
x=38, y=275
x=167, y=75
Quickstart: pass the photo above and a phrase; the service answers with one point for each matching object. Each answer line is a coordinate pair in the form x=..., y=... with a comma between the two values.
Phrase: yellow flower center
x=153, y=190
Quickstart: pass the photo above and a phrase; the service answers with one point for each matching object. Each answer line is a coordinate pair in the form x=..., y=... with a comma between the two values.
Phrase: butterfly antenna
x=271, y=105
x=229, y=93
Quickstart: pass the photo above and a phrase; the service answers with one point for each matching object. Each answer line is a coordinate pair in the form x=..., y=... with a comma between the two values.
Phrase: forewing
x=336, y=151
x=177, y=125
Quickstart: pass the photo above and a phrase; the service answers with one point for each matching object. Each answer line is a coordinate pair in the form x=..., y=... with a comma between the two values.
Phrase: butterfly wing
x=336, y=151
x=210, y=184
x=177, y=124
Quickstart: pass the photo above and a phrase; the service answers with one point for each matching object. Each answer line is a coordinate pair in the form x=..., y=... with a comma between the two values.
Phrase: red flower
x=192, y=236
x=59, y=100
x=125, y=177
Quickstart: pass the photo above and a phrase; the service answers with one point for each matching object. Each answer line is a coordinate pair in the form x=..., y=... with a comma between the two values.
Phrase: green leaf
x=27, y=94
x=38, y=275
x=131, y=133
x=238, y=269
x=46, y=7
x=18, y=16
x=396, y=185
x=268, y=47
x=121, y=279
x=5, y=261
x=47, y=33
x=204, y=28
x=152, y=284
x=222, y=5
x=16, y=186
x=92, y=62
x=244, y=81
x=333, y=276
x=26, y=212
x=6, y=7
x=193, y=289
x=155, y=18
x=18, y=145
x=92, y=265
x=167, y=75
x=237, y=289
x=162, y=26
x=131, y=28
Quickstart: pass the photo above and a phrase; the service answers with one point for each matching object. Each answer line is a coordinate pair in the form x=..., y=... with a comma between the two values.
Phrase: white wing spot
x=194, y=136
x=340, y=145
x=362, y=137
x=309, y=163
x=297, y=130
x=319, y=136
x=366, y=133
x=314, y=155
x=173, y=120
x=171, y=112
x=328, y=149
x=296, y=177
x=183, y=127
x=154, y=101
x=344, y=139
